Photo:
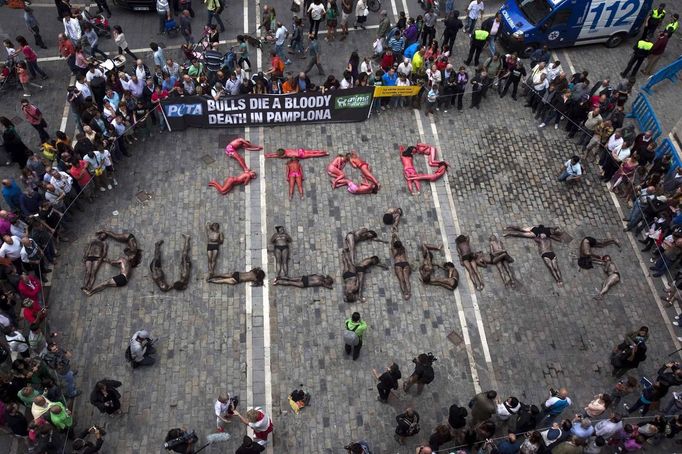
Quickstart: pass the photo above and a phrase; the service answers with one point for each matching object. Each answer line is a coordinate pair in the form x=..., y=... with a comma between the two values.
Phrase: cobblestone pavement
x=502, y=172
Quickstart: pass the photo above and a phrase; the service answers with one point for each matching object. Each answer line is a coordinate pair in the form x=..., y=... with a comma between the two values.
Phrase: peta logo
x=180, y=110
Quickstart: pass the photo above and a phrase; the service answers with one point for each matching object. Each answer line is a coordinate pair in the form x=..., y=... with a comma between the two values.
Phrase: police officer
x=673, y=25
x=655, y=18
x=478, y=40
x=642, y=50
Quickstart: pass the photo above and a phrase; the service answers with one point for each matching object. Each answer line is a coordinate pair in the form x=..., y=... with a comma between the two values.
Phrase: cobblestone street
x=261, y=344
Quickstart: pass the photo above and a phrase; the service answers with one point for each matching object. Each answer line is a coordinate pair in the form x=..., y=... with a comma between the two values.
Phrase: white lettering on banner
x=227, y=119
x=276, y=104
x=226, y=105
x=308, y=102
x=286, y=117
x=259, y=103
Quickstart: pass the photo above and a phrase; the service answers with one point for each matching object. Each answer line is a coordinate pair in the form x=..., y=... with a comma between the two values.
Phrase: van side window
x=560, y=18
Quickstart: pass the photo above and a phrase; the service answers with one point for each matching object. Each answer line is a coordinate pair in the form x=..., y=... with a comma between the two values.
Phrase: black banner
x=248, y=110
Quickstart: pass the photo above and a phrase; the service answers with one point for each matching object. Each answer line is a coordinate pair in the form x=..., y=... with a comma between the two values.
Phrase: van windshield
x=535, y=10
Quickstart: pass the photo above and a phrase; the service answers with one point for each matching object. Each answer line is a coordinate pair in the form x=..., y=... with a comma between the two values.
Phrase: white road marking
x=568, y=61
x=395, y=11
x=448, y=256
x=67, y=108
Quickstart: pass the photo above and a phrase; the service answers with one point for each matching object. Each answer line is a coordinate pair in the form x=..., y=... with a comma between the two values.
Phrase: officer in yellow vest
x=642, y=50
x=654, y=20
x=673, y=25
x=478, y=39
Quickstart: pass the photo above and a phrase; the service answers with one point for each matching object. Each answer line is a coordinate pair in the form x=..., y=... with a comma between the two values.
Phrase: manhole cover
x=455, y=338
x=143, y=196
x=208, y=160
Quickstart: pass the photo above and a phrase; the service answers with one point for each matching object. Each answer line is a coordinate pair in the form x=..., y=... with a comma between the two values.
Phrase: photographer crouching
x=83, y=446
x=181, y=440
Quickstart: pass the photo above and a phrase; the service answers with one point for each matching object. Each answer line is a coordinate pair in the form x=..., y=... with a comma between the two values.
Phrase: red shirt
x=387, y=61
x=30, y=289
x=66, y=48
x=32, y=114
x=157, y=97
x=29, y=54
x=80, y=173
x=32, y=314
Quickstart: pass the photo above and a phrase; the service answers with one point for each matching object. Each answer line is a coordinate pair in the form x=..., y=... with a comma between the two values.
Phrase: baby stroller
x=98, y=22
x=170, y=28
x=8, y=77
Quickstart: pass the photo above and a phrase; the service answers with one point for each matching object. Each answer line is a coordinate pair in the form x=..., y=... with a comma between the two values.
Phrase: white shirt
x=17, y=342
x=367, y=68
x=553, y=71
x=494, y=28
x=614, y=144
x=475, y=9
x=345, y=84
x=135, y=88
x=607, y=428
x=173, y=70
x=53, y=196
x=280, y=35
x=573, y=169
x=11, y=251
x=64, y=184
x=316, y=11
x=622, y=154
x=72, y=28
x=84, y=89
x=92, y=74
x=405, y=68
x=220, y=408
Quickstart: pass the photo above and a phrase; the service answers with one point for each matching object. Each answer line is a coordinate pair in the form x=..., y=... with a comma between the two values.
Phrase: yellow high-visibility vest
x=658, y=15
x=644, y=45
x=673, y=26
x=481, y=35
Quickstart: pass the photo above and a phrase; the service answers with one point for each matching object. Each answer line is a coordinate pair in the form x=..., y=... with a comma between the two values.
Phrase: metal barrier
x=645, y=116
x=667, y=146
x=668, y=72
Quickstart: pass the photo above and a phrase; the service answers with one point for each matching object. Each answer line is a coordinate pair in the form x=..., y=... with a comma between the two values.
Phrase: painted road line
x=448, y=256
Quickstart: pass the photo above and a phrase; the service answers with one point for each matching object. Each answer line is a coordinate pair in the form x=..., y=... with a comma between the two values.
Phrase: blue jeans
x=564, y=175
x=470, y=24
x=70, y=383
x=491, y=45
x=635, y=215
x=33, y=68
x=279, y=50
x=547, y=418
x=211, y=15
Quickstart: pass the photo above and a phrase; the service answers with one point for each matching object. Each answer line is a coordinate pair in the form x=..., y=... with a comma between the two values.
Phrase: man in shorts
x=120, y=280
x=346, y=11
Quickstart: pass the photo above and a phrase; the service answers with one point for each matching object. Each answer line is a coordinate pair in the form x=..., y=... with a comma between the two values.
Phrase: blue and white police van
x=529, y=24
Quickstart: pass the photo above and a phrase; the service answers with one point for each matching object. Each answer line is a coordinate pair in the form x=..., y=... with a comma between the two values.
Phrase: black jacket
x=452, y=25
x=98, y=400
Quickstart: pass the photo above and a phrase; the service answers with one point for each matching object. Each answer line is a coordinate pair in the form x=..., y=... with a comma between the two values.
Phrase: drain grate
x=208, y=160
x=455, y=338
x=143, y=196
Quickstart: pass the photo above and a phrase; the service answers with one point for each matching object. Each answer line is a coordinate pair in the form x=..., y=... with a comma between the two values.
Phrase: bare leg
x=222, y=279
x=399, y=274
x=278, y=261
x=504, y=267
x=288, y=282
x=299, y=184
x=610, y=281
x=185, y=265
x=553, y=268
x=285, y=261
x=406, y=273
x=291, y=187
x=212, y=260
x=88, y=277
x=100, y=287
x=350, y=245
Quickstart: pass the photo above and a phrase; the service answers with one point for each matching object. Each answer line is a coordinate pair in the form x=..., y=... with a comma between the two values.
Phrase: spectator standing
x=214, y=8
x=59, y=360
x=452, y=26
x=34, y=117
x=407, y=425
x=313, y=55
x=72, y=28
x=423, y=373
x=32, y=24
x=67, y=52
x=656, y=53
x=93, y=40
x=556, y=404
x=164, y=13
x=474, y=12
x=30, y=57
x=121, y=42
x=185, y=23
x=316, y=12
x=361, y=13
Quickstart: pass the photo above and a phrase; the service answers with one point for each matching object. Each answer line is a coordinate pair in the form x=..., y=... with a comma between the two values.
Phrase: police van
x=529, y=24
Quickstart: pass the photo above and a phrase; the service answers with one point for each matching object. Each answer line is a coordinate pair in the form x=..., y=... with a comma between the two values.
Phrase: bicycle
x=374, y=5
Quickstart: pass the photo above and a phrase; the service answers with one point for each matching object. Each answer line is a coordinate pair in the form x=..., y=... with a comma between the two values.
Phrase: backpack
x=428, y=375
x=350, y=337
x=331, y=14
x=407, y=427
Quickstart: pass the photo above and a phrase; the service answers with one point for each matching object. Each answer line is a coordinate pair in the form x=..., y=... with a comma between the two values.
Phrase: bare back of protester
x=586, y=256
x=185, y=265
x=120, y=280
x=132, y=251
x=401, y=266
x=156, y=270
x=549, y=257
x=255, y=275
x=392, y=217
x=532, y=232
x=310, y=280
x=357, y=236
x=93, y=257
x=280, y=240
x=469, y=260
x=214, y=239
x=612, y=277
x=501, y=259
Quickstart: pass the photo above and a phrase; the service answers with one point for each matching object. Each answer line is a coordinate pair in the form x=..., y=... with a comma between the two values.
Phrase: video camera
x=177, y=437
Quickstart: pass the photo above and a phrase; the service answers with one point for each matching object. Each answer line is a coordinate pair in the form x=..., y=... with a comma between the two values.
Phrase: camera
x=553, y=392
x=431, y=358
x=181, y=437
